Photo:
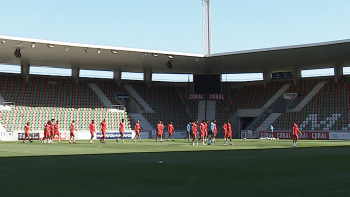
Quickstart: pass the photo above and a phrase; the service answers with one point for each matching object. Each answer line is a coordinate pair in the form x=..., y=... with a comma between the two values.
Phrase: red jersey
x=137, y=127
x=27, y=128
x=47, y=128
x=215, y=131
x=160, y=127
x=52, y=127
x=225, y=128
x=202, y=127
x=295, y=129
x=71, y=127
x=194, y=127
x=229, y=129
x=57, y=127
x=121, y=127
x=103, y=126
x=92, y=128
x=170, y=127
x=206, y=127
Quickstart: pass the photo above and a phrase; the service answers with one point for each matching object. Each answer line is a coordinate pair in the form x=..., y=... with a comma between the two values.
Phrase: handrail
x=290, y=107
x=257, y=118
x=8, y=103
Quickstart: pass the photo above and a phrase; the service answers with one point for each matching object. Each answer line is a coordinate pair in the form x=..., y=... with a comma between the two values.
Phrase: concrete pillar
x=117, y=76
x=338, y=71
x=147, y=77
x=267, y=77
x=25, y=71
x=75, y=74
x=296, y=75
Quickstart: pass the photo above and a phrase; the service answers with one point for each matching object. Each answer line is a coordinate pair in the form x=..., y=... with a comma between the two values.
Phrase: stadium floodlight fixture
x=19, y=43
x=3, y=41
x=155, y=54
x=170, y=57
x=50, y=45
x=98, y=51
x=197, y=59
x=144, y=55
x=32, y=45
x=114, y=51
x=17, y=53
x=66, y=48
x=86, y=50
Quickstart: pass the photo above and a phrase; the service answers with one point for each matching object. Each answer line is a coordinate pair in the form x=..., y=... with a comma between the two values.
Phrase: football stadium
x=281, y=135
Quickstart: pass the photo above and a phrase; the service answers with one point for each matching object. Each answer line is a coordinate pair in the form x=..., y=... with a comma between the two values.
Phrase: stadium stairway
x=211, y=105
x=201, y=110
x=100, y=94
x=309, y=96
x=206, y=110
x=269, y=120
x=2, y=100
x=138, y=98
x=276, y=96
x=145, y=125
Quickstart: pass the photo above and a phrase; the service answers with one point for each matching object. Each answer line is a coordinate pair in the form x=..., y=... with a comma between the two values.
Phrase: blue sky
x=177, y=25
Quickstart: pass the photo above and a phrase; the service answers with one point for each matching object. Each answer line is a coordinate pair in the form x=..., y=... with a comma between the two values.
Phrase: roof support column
x=296, y=75
x=25, y=71
x=267, y=77
x=147, y=77
x=117, y=76
x=338, y=71
x=75, y=74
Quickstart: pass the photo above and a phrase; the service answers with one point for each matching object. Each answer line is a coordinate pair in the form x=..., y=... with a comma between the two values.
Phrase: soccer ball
x=160, y=161
x=245, y=138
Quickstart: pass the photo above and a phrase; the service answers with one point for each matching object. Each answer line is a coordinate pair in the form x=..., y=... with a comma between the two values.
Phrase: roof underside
x=320, y=55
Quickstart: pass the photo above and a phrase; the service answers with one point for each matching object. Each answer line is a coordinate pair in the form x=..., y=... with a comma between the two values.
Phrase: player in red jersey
x=121, y=130
x=46, y=132
x=137, y=130
x=202, y=132
x=194, y=131
x=295, y=135
x=170, y=131
x=92, y=128
x=229, y=132
x=72, y=135
x=26, y=133
x=52, y=131
x=57, y=131
x=103, y=130
x=160, y=128
x=225, y=130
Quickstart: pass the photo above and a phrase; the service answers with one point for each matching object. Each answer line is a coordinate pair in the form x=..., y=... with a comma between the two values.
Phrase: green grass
x=249, y=168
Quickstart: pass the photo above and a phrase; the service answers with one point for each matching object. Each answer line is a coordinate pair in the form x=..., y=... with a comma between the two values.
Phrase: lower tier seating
x=44, y=98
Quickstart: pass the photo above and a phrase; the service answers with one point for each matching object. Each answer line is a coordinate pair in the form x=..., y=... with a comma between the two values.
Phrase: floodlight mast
x=206, y=18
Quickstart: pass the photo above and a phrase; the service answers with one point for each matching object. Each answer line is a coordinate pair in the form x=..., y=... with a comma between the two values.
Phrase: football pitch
x=248, y=168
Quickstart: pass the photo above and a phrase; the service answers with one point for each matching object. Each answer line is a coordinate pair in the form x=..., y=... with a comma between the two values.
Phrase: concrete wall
x=248, y=112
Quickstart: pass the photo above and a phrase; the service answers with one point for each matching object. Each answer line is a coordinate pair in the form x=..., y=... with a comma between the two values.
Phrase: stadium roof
x=309, y=56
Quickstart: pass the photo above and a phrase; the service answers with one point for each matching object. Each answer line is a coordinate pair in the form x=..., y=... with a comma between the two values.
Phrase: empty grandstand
x=319, y=103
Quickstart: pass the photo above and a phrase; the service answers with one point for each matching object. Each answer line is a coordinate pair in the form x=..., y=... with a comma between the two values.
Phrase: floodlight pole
x=206, y=19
